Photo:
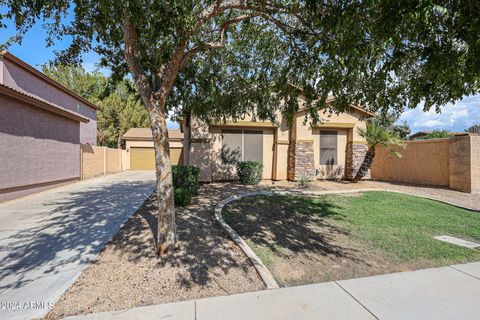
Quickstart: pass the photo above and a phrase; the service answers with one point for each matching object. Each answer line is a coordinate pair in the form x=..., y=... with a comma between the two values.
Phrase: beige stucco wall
x=330, y=121
x=453, y=162
x=97, y=161
x=422, y=162
x=205, y=148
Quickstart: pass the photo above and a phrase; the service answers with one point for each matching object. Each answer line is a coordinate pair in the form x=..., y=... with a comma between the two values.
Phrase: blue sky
x=454, y=117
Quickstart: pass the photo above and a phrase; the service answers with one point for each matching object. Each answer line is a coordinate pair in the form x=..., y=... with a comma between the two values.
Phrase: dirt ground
x=128, y=273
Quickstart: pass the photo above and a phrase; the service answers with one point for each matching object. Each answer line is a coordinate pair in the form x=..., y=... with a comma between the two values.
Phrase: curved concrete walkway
x=431, y=294
x=47, y=239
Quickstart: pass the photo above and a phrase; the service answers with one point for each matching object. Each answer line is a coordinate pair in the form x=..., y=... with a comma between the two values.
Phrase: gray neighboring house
x=42, y=124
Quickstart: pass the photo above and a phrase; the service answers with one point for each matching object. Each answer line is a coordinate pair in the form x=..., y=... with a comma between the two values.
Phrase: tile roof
x=146, y=134
x=40, y=103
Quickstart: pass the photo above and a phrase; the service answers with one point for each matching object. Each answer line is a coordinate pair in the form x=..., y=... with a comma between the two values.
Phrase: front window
x=242, y=145
x=328, y=148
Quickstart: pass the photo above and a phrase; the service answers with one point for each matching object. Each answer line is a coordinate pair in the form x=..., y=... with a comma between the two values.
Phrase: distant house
x=474, y=129
x=140, y=152
x=42, y=124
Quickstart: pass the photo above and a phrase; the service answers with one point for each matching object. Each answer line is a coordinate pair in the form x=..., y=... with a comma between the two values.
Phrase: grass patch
x=343, y=236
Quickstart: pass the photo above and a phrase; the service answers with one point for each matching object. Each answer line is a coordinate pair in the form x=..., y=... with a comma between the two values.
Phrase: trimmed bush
x=182, y=197
x=249, y=172
x=186, y=177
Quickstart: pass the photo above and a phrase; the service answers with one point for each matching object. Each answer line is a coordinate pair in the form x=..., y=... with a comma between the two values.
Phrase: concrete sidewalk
x=48, y=238
x=443, y=293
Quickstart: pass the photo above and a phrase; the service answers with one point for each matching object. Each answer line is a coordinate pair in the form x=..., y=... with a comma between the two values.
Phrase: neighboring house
x=42, y=125
x=474, y=129
x=139, y=147
x=332, y=149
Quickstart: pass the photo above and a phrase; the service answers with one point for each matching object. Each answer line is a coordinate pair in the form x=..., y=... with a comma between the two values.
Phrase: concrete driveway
x=47, y=239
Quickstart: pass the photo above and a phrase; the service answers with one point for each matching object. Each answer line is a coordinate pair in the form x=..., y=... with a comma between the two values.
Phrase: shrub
x=249, y=172
x=303, y=181
x=186, y=177
x=182, y=197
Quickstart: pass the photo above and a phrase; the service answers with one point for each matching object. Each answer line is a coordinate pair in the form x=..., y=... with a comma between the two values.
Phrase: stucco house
x=42, y=125
x=139, y=146
x=330, y=150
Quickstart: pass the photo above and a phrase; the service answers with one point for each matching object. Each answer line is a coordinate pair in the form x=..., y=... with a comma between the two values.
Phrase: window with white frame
x=242, y=145
x=328, y=147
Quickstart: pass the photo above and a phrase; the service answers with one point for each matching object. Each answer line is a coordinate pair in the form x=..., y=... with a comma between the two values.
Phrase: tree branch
x=221, y=36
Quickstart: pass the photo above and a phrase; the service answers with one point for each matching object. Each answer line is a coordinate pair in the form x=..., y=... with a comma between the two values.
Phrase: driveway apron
x=47, y=239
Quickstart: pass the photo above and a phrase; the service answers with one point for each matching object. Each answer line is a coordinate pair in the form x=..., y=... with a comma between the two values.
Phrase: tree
x=437, y=134
x=120, y=106
x=387, y=122
x=89, y=85
x=120, y=111
x=377, y=136
x=224, y=58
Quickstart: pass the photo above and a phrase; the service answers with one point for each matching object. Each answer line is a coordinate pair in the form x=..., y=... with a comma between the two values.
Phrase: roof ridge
x=46, y=78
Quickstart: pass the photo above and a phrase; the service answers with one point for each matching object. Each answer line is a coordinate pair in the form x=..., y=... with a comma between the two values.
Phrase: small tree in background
x=437, y=134
x=377, y=136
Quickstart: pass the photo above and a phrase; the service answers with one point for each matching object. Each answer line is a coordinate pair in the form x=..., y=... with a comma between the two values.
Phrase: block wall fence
x=452, y=163
x=97, y=161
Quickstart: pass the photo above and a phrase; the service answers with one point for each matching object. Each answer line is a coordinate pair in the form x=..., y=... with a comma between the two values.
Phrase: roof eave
x=19, y=96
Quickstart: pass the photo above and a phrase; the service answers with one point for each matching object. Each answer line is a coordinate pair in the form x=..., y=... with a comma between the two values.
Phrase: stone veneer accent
x=354, y=159
x=301, y=162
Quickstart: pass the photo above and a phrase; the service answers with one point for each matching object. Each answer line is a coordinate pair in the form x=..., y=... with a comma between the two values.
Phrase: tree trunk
x=119, y=141
x=166, y=234
x=366, y=164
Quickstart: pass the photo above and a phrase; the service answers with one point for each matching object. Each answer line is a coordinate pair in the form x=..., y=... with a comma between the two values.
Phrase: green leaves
x=377, y=135
x=383, y=55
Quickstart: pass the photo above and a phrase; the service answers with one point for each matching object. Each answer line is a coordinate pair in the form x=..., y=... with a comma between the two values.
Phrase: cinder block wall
x=453, y=163
x=97, y=161
x=422, y=162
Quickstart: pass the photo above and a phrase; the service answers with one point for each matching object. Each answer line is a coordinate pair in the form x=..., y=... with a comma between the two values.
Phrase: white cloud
x=433, y=123
x=453, y=117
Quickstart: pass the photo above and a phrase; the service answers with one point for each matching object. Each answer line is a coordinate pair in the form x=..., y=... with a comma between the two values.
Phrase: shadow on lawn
x=291, y=222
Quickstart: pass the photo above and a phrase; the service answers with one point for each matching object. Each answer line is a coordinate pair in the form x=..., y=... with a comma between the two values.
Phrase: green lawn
x=345, y=236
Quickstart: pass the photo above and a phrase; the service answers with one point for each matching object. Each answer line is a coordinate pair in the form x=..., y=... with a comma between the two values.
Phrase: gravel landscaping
x=128, y=273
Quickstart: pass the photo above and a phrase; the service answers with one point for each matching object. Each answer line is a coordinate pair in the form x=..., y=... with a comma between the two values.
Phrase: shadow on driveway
x=61, y=231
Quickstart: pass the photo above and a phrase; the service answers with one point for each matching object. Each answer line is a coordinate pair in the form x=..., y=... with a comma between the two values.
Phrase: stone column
x=301, y=160
x=354, y=159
